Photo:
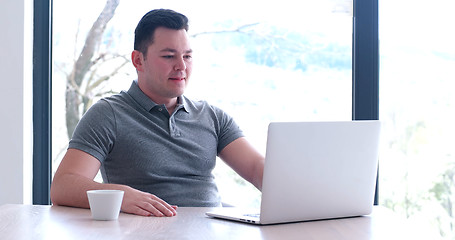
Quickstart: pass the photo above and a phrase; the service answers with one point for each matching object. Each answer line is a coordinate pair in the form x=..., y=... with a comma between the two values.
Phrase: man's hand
x=75, y=176
x=146, y=204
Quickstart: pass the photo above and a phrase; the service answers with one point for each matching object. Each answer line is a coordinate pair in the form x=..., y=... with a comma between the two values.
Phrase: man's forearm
x=70, y=189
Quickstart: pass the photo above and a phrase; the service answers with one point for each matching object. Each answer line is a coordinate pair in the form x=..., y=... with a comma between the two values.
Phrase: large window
x=260, y=62
x=417, y=108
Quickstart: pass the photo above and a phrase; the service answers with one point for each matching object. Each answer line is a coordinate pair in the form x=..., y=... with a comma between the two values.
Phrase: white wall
x=15, y=101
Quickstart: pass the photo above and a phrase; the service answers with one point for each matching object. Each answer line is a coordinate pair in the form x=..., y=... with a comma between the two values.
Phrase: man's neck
x=171, y=105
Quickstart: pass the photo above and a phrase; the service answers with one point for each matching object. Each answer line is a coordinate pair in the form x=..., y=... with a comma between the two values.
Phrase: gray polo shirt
x=140, y=145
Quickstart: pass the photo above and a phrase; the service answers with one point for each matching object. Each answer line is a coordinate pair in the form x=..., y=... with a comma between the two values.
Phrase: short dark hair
x=143, y=35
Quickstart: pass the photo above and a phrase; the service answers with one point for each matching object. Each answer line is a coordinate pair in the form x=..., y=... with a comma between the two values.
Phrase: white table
x=56, y=222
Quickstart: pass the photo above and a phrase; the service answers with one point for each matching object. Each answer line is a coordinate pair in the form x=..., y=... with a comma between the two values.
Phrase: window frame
x=365, y=65
x=365, y=84
x=42, y=100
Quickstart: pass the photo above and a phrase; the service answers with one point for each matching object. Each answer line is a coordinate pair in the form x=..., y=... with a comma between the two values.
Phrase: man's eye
x=168, y=56
x=188, y=56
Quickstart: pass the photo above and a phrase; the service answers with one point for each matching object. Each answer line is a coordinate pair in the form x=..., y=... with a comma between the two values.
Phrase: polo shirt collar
x=144, y=101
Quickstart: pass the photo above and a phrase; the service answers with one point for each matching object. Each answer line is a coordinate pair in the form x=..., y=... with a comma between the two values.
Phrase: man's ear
x=138, y=60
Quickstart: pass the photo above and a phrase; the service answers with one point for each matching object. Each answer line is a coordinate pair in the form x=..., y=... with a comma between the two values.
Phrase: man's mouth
x=178, y=79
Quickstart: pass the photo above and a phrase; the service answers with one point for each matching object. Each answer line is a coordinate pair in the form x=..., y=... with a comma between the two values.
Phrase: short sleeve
x=95, y=132
x=229, y=130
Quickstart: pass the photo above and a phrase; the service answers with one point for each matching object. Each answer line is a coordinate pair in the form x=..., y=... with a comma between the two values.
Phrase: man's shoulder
x=110, y=103
x=200, y=105
x=121, y=98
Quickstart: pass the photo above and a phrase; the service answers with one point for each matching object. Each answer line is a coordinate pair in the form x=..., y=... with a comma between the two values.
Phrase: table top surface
x=57, y=222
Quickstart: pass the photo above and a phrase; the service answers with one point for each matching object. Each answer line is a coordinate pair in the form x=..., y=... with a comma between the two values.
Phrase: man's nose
x=180, y=65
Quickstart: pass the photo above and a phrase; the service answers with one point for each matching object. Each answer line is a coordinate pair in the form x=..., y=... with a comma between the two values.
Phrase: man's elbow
x=55, y=199
x=58, y=190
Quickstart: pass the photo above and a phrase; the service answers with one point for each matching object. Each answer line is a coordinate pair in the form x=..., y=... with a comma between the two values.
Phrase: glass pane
x=417, y=72
x=281, y=61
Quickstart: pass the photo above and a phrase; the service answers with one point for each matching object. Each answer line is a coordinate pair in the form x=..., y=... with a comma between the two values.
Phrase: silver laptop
x=315, y=170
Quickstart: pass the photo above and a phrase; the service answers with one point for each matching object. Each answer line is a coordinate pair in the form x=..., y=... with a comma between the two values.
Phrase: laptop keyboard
x=255, y=215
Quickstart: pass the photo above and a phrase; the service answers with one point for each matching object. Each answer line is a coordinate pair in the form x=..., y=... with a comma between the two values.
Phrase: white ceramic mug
x=105, y=204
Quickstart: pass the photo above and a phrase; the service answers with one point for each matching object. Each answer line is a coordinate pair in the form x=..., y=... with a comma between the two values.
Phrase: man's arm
x=245, y=160
x=75, y=176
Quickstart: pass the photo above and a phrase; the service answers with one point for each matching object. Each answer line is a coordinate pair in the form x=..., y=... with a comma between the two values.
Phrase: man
x=152, y=142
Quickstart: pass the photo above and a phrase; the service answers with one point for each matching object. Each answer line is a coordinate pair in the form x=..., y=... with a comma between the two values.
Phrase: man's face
x=164, y=72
